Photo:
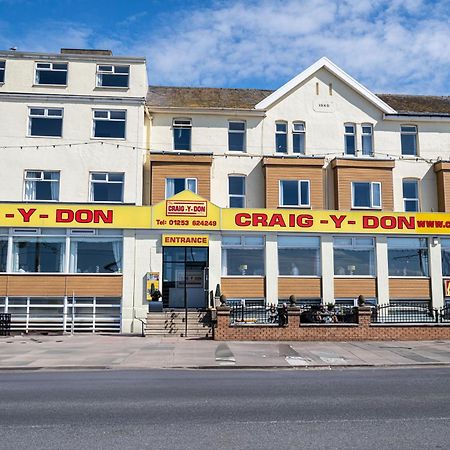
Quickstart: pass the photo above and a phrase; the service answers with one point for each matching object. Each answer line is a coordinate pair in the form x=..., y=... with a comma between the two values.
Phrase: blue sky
x=388, y=45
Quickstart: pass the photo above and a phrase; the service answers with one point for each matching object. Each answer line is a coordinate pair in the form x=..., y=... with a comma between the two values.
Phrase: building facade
x=320, y=189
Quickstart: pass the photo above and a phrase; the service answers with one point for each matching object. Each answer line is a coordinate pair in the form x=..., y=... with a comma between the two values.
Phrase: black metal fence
x=321, y=314
x=5, y=324
x=406, y=312
x=254, y=312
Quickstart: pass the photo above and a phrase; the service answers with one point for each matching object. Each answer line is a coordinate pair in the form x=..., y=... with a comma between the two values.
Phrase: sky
x=390, y=46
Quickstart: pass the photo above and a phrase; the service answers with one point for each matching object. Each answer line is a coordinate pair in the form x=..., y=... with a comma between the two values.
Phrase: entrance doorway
x=185, y=277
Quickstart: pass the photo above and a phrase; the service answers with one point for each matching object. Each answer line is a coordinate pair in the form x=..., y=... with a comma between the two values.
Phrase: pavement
x=79, y=352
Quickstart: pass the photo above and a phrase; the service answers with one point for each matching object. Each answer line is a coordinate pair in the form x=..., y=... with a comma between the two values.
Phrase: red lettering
x=292, y=220
x=337, y=220
x=370, y=222
x=105, y=217
x=388, y=222
x=259, y=219
x=26, y=214
x=305, y=220
x=64, y=215
x=406, y=222
x=242, y=220
x=84, y=216
x=277, y=219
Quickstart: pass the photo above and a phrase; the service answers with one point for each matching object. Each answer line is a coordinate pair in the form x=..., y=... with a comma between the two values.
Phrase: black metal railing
x=321, y=314
x=406, y=312
x=444, y=314
x=5, y=324
x=248, y=312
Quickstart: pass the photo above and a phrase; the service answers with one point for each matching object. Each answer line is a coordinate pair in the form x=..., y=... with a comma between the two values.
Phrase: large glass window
x=236, y=136
x=350, y=139
x=51, y=73
x=41, y=185
x=46, y=122
x=109, y=124
x=38, y=254
x=354, y=256
x=176, y=185
x=408, y=257
x=445, y=248
x=236, y=190
x=182, y=129
x=299, y=255
x=366, y=195
x=243, y=255
x=3, y=253
x=106, y=187
x=2, y=71
x=113, y=76
x=408, y=135
x=281, y=137
x=294, y=193
x=411, y=195
x=367, y=140
x=298, y=137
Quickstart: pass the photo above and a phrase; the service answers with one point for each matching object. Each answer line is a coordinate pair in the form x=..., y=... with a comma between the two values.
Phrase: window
x=350, y=139
x=408, y=257
x=113, y=76
x=411, y=195
x=367, y=139
x=366, y=195
x=281, y=137
x=445, y=249
x=299, y=255
x=106, y=187
x=298, y=137
x=354, y=256
x=176, y=185
x=408, y=135
x=294, y=193
x=236, y=136
x=236, y=191
x=182, y=129
x=2, y=71
x=41, y=185
x=51, y=73
x=45, y=122
x=109, y=124
x=243, y=255
x=3, y=252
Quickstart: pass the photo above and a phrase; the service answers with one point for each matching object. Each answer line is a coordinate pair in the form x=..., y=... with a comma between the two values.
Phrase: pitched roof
x=200, y=97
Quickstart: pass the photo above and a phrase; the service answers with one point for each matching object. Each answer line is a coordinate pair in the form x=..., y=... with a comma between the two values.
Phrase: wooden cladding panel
x=344, y=176
x=300, y=287
x=276, y=173
x=443, y=190
x=352, y=287
x=409, y=288
x=243, y=287
x=60, y=285
x=161, y=171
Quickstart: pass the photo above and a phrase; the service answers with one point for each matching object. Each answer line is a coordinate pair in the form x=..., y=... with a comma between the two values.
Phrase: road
x=226, y=409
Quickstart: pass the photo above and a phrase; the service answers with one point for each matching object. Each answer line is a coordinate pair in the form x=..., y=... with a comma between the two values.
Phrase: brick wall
x=295, y=331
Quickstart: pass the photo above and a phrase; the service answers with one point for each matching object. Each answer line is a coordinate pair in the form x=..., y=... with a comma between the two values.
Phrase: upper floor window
x=294, y=193
x=367, y=139
x=109, y=124
x=41, y=185
x=113, y=76
x=236, y=136
x=176, y=185
x=350, y=139
x=409, y=140
x=106, y=187
x=281, y=137
x=411, y=195
x=366, y=195
x=408, y=257
x=182, y=130
x=298, y=137
x=236, y=190
x=51, y=73
x=2, y=71
x=45, y=122
x=354, y=256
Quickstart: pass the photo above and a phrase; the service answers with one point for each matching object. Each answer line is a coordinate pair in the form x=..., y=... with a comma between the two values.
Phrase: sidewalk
x=36, y=352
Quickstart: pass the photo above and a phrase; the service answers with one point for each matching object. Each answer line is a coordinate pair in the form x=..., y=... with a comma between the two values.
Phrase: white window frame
x=44, y=116
x=105, y=181
x=353, y=245
x=243, y=132
x=302, y=132
x=3, y=70
x=284, y=133
x=100, y=72
x=244, y=195
x=347, y=133
x=41, y=178
x=413, y=133
x=365, y=134
x=186, y=183
x=372, y=190
x=182, y=123
x=108, y=118
x=299, y=188
x=416, y=180
x=50, y=68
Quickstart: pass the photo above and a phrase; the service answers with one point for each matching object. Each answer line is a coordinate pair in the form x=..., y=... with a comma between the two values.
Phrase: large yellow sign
x=74, y=216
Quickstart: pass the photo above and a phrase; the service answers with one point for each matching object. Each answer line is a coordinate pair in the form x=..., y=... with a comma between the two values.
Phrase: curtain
x=224, y=262
x=55, y=186
x=117, y=250
x=30, y=190
x=170, y=187
x=73, y=257
x=192, y=185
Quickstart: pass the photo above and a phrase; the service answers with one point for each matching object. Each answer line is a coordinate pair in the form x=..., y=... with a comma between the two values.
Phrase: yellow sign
x=74, y=216
x=186, y=211
x=185, y=240
x=152, y=284
x=446, y=288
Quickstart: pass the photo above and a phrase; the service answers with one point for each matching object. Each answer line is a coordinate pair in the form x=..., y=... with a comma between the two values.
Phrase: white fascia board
x=207, y=111
x=335, y=70
x=407, y=118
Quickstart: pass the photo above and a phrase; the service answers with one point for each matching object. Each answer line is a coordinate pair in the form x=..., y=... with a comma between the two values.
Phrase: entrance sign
x=185, y=240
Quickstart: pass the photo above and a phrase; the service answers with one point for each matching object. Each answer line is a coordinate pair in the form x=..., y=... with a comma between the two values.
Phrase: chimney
x=85, y=51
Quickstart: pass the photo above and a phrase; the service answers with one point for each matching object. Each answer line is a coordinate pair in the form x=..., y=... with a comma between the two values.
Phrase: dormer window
x=113, y=76
x=367, y=139
x=298, y=137
x=53, y=74
x=350, y=139
x=281, y=137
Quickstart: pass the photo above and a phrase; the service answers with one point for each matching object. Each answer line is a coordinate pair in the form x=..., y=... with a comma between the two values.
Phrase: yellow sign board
x=152, y=284
x=74, y=216
x=185, y=240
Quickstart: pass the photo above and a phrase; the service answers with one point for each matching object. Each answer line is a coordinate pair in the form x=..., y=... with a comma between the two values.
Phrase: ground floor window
x=445, y=246
x=299, y=255
x=354, y=256
x=243, y=255
x=408, y=257
x=3, y=253
x=96, y=256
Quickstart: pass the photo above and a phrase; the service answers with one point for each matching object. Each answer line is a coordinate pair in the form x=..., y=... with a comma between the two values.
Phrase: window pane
x=117, y=114
x=191, y=184
x=51, y=77
x=236, y=126
x=376, y=195
x=237, y=202
x=445, y=261
x=299, y=261
x=255, y=241
x=98, y=176
x=182, y=138
x=349, y=129
x=236, y=142
x=115, y=176
x=112, y=80
x=367, y=145
x=107, y=192
x=298, y=241
x=350, y=148
x=3, y=254
x=109, y=129
x=46, y=127
x=298, y=143
x=410, y=189
x=281, y=127
x=231, y=240
x=122, y=69
x=179, y=185
x=38, y=255
x=408, y=262
x=354, y=261
x=101, y=114
x=361, y=195
x=281, y=143
x=37, y=111
x=97, y=256
x=46, y=190
x=411, y=205
x=408, y=144
x=243, y=261
x=55, y=112
x=304, y=192
x=289, y=193
x=236, y=185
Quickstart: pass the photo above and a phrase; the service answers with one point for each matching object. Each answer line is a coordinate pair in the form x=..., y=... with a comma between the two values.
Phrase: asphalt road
x=226, y=409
